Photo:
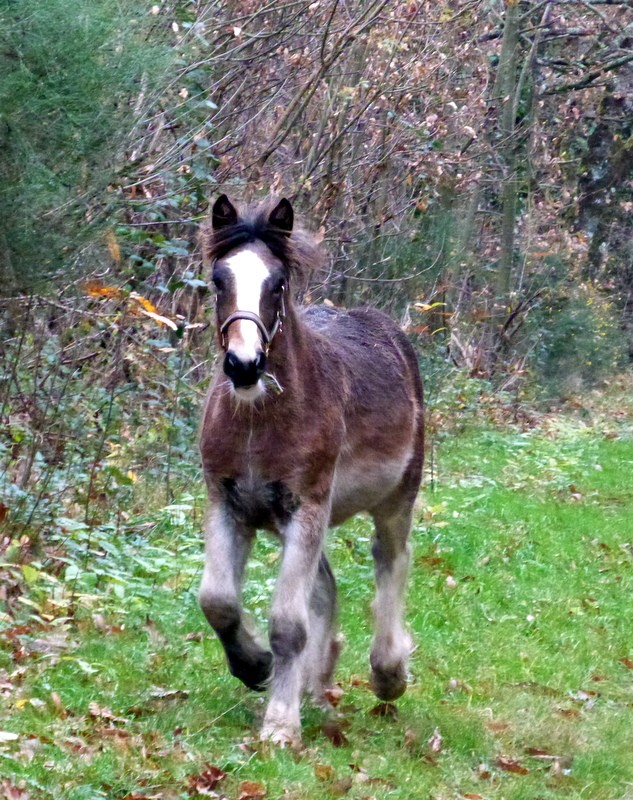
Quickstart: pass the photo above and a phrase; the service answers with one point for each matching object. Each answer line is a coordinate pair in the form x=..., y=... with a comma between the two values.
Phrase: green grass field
x=521, y=601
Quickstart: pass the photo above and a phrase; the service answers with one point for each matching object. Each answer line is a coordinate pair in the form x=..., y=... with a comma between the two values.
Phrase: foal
x=316, y=415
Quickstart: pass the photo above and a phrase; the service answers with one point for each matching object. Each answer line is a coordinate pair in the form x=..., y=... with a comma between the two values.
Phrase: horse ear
x=223, y=213
x=282, y=216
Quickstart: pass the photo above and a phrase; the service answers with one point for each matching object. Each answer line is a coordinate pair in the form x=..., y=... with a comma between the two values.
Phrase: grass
x=521, y=686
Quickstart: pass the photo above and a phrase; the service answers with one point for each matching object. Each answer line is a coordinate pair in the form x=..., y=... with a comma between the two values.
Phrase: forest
x=467, y=167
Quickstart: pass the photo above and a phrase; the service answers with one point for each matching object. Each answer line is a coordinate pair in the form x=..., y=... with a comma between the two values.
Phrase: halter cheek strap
x=267, y=335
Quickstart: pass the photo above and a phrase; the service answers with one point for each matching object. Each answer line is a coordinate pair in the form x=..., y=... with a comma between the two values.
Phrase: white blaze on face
x=249, y=273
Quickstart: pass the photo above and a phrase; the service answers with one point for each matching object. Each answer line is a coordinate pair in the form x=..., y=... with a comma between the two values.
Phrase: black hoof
x=389, y=684
x=254, y=674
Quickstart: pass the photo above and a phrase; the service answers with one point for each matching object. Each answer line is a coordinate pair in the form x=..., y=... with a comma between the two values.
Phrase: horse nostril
x=231, y=365
x=260, y=364
x=244, y=373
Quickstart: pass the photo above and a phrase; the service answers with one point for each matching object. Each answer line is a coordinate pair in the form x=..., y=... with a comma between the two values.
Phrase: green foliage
x=94, y=416
x=70, y=77
x=579, y=339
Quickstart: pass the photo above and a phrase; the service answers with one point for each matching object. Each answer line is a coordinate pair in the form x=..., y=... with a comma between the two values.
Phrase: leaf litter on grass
x=527, y=706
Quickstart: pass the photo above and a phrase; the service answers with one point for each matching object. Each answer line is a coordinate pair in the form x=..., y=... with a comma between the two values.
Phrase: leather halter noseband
x=267, y=335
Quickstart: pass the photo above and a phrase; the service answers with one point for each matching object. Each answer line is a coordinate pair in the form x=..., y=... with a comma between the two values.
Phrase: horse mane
x=298, y=250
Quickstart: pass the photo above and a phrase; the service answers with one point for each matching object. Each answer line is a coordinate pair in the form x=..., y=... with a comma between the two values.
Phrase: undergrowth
x=113, y=686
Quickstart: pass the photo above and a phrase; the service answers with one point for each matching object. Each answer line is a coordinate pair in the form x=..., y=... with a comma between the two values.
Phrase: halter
x=267, y=335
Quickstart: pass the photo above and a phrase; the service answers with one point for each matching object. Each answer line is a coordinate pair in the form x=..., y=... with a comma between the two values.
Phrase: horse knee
x=222, y=614
x=287, y=638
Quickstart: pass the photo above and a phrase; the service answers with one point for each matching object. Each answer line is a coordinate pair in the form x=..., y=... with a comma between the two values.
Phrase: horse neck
x=290, y=350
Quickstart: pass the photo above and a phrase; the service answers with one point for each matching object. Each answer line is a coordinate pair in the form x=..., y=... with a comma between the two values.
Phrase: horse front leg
x=289, y=623
x=227, y=547
x=392, y=643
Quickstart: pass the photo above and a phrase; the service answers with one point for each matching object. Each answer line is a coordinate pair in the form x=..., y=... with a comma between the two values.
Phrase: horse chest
x=259, y=503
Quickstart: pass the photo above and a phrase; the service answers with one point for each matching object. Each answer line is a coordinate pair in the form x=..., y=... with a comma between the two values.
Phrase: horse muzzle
x=244, y=374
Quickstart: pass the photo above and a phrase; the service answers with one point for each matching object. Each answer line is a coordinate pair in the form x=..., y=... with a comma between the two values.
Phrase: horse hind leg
x=392, y=644
x=227, y=548
x=323, y=646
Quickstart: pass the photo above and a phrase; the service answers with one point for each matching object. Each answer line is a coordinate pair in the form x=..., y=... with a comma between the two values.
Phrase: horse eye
x=278, y=286
x=218, y=283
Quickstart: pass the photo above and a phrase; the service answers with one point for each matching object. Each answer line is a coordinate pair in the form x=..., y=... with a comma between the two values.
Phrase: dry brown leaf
x=333, y=695
x=483, y=772
x=249, y=790
x=411, y=739
x=9, y=791
x=155, y=636
x=334, y=732
x=628, y=662
x=323, y=772
x=206, y=781
x=103, y=712
x=537, y=752
x=510, y=765
x=497, y=727
x=341, y=786
x=58, y=705
x=572, y=713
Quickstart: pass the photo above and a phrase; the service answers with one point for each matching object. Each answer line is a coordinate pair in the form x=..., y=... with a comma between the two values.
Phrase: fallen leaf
x=206, y=781
x=249, y=790
x=497, y=727
x=537, y=752
x=341, y=786
x=144, y=302
x=411, y=739
x=9, y=791
x=483, y=772
x=455, y=685
x=510, y=765
x=94, y=289
x=155, y=636
x=323, y=772
x=159, y=318
x=436, y=741
x=98, y=712
x=628, y=662
x=572, y=713
x=333, y=695
x=334, y=732
x=58, y=705
x=158, y=693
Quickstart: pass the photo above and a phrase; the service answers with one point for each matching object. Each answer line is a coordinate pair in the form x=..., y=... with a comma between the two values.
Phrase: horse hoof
x=254, y=674
x=282, y=736
x=389, y=684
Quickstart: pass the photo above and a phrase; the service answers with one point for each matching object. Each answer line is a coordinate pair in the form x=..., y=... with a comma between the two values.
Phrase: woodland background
x=467, y=165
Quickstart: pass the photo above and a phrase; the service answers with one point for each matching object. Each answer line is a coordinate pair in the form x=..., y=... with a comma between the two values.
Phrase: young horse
x=316, y=415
